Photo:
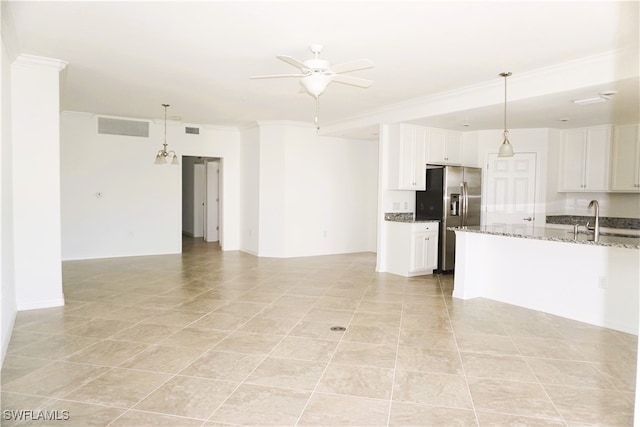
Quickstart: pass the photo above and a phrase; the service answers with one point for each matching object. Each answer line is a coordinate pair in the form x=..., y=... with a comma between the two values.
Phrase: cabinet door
x=420, y=162
x=407, y=153
x=572, y=163
x=625, y=162
x=412, y=162
x=431, y=258
x=437, y=143
x=444, y=147
x=597, y=153
x=453, y=148
x=425, y=251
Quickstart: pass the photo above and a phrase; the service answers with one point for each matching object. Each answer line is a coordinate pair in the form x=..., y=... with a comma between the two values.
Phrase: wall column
x=35, y=103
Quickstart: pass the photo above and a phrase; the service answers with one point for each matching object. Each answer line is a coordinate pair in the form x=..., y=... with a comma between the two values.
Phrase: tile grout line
x=395, y=362
x=332, y=356
x=455, y=339
x=263, y=358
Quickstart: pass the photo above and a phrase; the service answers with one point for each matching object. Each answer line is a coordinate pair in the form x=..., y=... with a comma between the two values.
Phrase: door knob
x=528, y=219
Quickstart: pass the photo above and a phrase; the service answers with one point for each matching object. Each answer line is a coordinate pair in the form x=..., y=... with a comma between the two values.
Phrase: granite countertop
x=554, y=235
x=605, y=221
x=404, y=217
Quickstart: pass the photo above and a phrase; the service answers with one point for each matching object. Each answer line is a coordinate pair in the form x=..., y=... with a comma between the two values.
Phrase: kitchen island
x=548, y=270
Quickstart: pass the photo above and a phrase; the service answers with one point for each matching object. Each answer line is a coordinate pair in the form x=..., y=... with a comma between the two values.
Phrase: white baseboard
x=42, y=304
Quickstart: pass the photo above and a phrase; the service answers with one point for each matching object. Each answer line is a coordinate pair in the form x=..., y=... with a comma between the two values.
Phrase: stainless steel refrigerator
x=452, y=196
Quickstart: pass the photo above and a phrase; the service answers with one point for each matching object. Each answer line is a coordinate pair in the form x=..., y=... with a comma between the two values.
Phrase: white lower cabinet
x=412, y=248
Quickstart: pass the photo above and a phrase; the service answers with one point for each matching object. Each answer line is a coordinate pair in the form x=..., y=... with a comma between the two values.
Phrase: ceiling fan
x=316, y=74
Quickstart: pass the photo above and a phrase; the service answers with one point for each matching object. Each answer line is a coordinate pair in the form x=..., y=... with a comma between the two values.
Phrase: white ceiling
x=127, y=58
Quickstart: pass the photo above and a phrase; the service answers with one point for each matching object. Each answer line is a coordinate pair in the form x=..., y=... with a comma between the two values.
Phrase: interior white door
x=510, y=191
x=213, y=202
x=199, y=192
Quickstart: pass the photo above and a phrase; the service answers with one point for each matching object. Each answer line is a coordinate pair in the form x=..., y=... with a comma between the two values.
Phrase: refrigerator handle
x=465, y=202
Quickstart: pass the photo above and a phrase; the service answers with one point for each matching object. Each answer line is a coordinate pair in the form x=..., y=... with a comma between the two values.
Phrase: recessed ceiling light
x=563, y=119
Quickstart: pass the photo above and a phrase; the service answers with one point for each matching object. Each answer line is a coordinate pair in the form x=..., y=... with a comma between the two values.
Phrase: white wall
x=316, y=195
x=8, y=306
x=35, y=106
x=250, y=189
x=271, y=196
x=139, y=211
x=330, y=186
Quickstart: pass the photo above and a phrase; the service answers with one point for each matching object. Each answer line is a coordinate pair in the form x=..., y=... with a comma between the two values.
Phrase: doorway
x=510, y=191
x=201, y=198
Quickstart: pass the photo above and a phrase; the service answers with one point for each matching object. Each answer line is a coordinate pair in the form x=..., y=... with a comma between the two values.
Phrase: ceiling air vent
x=192, y=130
x=123, y=127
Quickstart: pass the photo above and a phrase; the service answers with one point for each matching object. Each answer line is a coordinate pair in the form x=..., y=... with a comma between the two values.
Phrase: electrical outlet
x=602, y=282
x=396, y=206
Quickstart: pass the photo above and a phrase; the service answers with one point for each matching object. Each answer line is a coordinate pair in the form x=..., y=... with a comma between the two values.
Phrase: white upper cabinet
x=444, y=146
x=407, y=157
x=584, y=159
x=625, y=158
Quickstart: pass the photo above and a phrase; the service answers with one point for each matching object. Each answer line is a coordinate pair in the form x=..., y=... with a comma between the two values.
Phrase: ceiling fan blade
x=360, y=64
x=350, y=80
x=292, y=61
x=275, y=76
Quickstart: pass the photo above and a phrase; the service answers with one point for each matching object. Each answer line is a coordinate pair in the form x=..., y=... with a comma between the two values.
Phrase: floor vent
x=192, y=130
x=123, y=127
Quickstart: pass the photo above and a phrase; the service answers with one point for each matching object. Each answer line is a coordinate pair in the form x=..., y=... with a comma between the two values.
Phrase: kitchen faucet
x=596, y=226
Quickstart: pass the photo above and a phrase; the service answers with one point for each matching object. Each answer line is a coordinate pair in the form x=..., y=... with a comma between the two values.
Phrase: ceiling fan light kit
x=316, y=74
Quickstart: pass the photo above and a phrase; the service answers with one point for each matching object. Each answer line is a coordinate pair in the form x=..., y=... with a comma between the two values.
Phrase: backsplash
x=607, y=222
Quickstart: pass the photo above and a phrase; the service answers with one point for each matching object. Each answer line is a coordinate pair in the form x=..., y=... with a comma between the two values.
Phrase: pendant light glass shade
x=506, y=149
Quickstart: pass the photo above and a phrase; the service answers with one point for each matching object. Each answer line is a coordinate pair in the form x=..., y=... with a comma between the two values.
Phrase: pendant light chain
x=506, y=131
x=165, y=125
x=316, y=119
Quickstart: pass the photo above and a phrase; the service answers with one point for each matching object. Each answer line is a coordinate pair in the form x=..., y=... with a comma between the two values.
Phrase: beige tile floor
x=224, y=338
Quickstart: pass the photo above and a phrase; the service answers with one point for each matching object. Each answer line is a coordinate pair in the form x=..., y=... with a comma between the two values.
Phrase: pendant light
x=163, y=155
x=506, y=149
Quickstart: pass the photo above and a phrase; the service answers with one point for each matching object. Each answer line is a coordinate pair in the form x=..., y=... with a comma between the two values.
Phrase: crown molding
x=596, y=69
x=40, y=62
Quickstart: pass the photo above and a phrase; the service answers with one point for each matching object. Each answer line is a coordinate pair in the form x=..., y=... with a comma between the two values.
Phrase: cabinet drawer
x=424, y=226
